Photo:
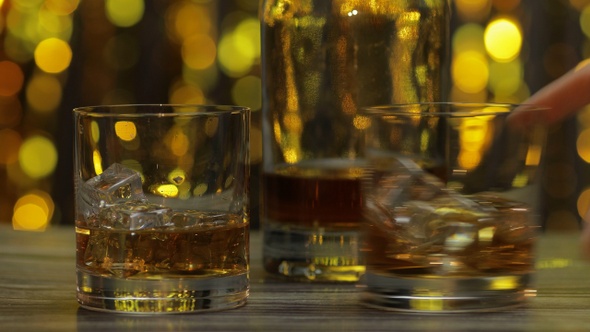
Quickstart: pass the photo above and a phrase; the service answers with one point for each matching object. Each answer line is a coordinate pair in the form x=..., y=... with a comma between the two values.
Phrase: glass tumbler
x=162, y=210
x=451, y=196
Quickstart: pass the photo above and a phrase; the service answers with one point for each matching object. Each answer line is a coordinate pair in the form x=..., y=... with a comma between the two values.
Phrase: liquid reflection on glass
x=322, y=61
x=449, y=201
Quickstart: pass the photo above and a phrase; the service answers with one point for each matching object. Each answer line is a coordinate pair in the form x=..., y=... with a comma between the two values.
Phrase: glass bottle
x=322, y=62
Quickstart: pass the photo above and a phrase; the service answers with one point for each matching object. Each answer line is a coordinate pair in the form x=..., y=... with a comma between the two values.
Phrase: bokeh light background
x=59, y=54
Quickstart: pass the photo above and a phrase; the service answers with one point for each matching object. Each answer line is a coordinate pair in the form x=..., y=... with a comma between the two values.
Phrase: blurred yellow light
x=469, y=159
x=199, y=51
x=293, y=123
x=506, y=78
x=361, y=122
x=473, y=131
x=473, y=10
x=247, y=37
x=94, y=131
x=187, y=94
x=585, y=20
x=11, y=141
x=124, y=13
x=62, y=7
x=33, y=211
x=200, y=189
x=11, y=78
x=504, y=283
x=178, y=143
x=97, y=161
x=52, y=25
x=165, y=190
x=503, y=40
x=29, y=217
x=470, y=71
x=188, y=19
x=44, y=93
x=37, y=157
x=583, y=204
x=468, y=37
x=583, y=145
x=247, y=91
x=579, y=4
x=125, y=130
x=234, y=61
x=53, y=55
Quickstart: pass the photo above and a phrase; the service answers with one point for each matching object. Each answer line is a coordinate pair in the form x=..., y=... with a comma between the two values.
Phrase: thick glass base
x=445, y=294
x=312, y=254
x=155, y=296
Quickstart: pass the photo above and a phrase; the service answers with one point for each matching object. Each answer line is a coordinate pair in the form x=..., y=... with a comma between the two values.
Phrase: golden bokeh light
x=11, y=78
x=124, y=13
x=62, y=7
x=29, y=217
x=33, y=211
x=468, y=37
x=52, y=25
x=470, y=71
x=97, y=162
x=187, y=19
x=235, y=54
x=583, y=145
x=53, y=55
x=199, y=51
x=165, y=190
x=583, y=204
x=505, y=77
x=186, y=94
x=473, y=10
x=585, y=20
x=178, y=142
x=126, y=130
x=38, y=157
x=44, y=93
x=503, y=39
x=247, y=91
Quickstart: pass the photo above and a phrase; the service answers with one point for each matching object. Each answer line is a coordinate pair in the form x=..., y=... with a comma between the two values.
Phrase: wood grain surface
x=37, y=293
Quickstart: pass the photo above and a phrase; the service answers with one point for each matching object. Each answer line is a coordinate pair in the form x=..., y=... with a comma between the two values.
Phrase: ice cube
x=115, y=185
x=404, y=181
x=513, y=219
x=450, y=221
x=135, y=215
x=194, y=218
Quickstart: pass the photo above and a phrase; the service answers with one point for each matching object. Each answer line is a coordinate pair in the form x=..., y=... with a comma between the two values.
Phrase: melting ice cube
x=135, y=215
x=116, y=184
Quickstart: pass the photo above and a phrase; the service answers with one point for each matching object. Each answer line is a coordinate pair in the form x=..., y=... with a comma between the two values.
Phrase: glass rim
x=459, y=108
x=107, y=111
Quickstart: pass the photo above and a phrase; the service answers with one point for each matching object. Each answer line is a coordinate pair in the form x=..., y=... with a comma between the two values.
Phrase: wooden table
x=37, y=293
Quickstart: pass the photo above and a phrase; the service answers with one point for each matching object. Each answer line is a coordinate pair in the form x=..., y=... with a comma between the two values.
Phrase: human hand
x=562, y=98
